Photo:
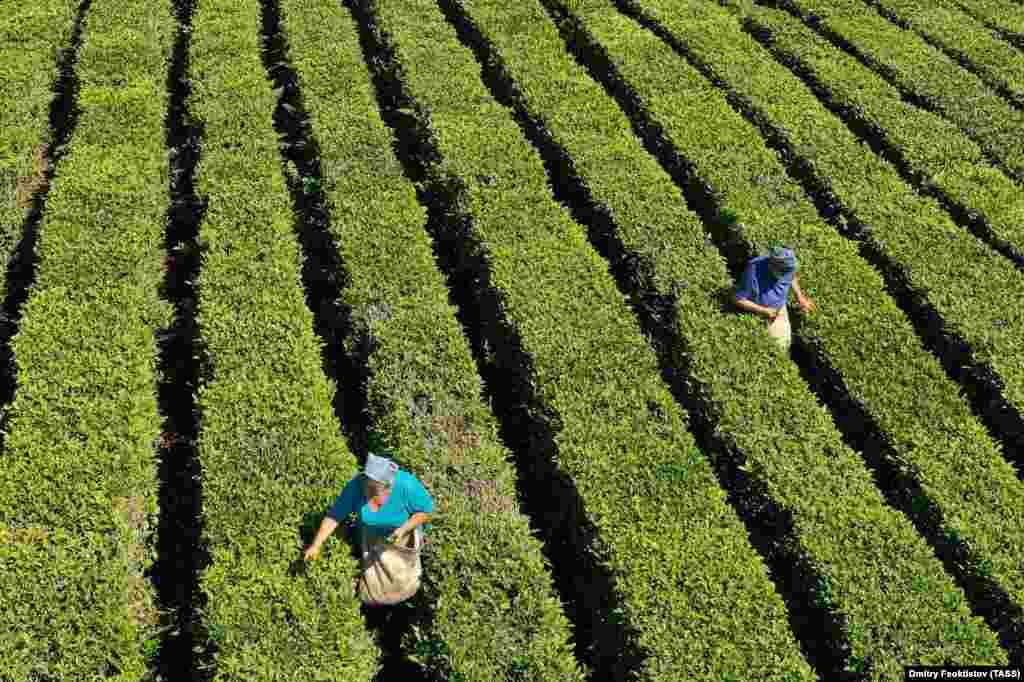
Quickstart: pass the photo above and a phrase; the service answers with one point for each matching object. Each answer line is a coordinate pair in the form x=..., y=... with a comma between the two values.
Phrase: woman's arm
x=327, y=527
x=806, y=304
x=750, y=306
x=345, y=504
x=414, y=520
x=745, y=293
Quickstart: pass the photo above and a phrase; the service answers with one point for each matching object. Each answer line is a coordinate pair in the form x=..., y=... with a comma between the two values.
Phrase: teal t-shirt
x=408, y=496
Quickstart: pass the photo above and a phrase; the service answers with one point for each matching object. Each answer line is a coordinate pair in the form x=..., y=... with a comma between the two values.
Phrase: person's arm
x=327, y=527
x=806, y=304
x=344, y=505
x=746, y=292
x=414, y=520
x=751, y=307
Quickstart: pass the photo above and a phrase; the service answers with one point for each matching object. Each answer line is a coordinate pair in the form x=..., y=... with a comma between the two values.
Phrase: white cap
x=380, y=469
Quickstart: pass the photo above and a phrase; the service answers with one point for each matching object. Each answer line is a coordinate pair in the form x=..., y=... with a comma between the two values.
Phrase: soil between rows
x=185, y=652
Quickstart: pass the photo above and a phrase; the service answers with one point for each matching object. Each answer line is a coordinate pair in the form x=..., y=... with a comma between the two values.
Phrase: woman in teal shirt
x=387, y=501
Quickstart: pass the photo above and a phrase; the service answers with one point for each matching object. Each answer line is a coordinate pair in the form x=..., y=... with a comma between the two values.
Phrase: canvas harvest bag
x=780, y=330
x=391, y=572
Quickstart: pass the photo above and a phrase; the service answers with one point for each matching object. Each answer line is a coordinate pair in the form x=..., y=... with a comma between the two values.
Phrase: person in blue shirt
x=764, y=290
x=387, y=501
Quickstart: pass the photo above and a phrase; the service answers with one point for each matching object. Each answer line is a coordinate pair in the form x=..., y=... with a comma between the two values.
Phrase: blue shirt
x=761, y=286
x=407, y=497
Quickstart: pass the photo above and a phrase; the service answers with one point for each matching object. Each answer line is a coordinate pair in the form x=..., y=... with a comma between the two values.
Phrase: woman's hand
x=806, y=304
x=414, y=521
x=312, y=552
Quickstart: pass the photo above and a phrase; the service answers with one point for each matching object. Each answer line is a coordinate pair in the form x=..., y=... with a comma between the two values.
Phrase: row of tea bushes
x=935, y=151
x=841, y=522
x=78, y=485
x=946, y=26
x=1005, y=18
x=423, y=389
x=693, y=596
x=863, y=335
x=31, y=34
x=922, y=72
x=975, y=302
x=270, y=447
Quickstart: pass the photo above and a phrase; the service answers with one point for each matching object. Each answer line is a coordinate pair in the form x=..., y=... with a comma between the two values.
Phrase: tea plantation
x=247, y=242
